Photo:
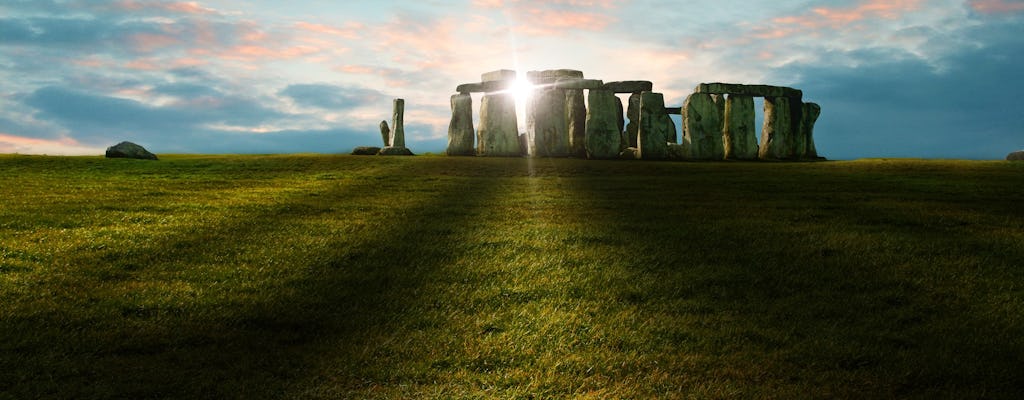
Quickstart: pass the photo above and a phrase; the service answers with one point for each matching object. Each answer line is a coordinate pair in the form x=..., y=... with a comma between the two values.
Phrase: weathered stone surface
x=366, y=151
x=460, y=129
x=621, y=118
x=749, y=90
x=703, y=125
x=551, y=76
x=652, y=132
x=679, y=151
x=129, y=150
x=398, y=123
x=524, y=145
x=633, y=114
x=809, y=115
x=576, y=116
x=484, y=87
x=630, y=153
x=499, y=75
x=578, y=83
x=546, y=124
x=385, y=133
x=498, y=134
x=603, y=133
x=395, y=151
x=1015, y=156
x=629, y=86
x=674, y=110
x=739, y=135
x=776, y=133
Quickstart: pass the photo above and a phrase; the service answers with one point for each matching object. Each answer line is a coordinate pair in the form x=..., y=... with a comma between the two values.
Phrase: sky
x=894, y=78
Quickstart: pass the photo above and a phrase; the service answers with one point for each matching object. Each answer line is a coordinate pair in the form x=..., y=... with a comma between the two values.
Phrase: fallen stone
x=129, y=150
x=460, y=128
x=1015, y=156
x=702, y=122
x=498, y=134
x=653, y=130
x=749, y=90
x=366, y=151
x=499, y=75
x=398, y=123
x=385, y=133
x=739, y=136
x=603, y=132
x=776, y=133
x=578, y=83
x=629, y=86
x=395, y=151
x=630, y=153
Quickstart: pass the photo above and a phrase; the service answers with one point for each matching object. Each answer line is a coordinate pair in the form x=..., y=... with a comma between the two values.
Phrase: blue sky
x=903, y=78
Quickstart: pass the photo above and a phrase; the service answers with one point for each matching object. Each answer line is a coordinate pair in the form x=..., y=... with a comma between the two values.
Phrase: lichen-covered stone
x=776, y=133
x=498, y=134
x=629, y=86
x=703, y=124
x=385, y=133
x=653, y=131
x=679, y=151
x=633, y=114
x=546, y=124
x=576, y=117
x=129, y=150
x=460, y=128
x=603, y=132
x=739, y=136
x=398, y=123
x=749, y=90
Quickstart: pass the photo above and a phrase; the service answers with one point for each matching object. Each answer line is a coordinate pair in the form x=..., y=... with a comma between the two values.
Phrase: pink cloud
x=10, y=143
x=180, y=7
x=350, y=31
x=996, y=6
x=836, y=18
x=149, y=42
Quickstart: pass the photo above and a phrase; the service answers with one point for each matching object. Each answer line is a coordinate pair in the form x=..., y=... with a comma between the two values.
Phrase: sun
x=521, y=89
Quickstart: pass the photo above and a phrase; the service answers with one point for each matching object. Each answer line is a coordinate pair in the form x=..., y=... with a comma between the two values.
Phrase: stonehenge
x=568, y=115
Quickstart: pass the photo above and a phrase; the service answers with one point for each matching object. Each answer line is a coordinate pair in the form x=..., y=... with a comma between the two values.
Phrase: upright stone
x=576, y=115
x=546, y=124
x=776, y=134
x=498, y=134
x=703, y=124
x=603, y=133
x=739, y=136
x=460, y=129
x=810, y=113
x=633, y=114
x=385, y=133
x=621, y=117
x=652, y=129
x=397, y=124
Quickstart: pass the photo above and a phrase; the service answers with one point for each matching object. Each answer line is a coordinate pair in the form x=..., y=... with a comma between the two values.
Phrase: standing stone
x=703, y=124
x=385, y=133
x=460, y=129
x=739, y=136
x=576, y=114
x=670, y=130
x=603, y=133
x=651, y=132
x=776, y=134
x=397, y=124
x=498, y=134
x=1015, y=156
x=633, y=114
x=546, y=124
x=809, y=113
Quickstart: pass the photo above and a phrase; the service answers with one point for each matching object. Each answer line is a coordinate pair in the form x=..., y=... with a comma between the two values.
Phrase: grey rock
x=633, y=114
x=576, y=117
x=621, y=123
x=679, y=151
x=546, y=124
x=385, y=133
x=460, y=128
x=1015, y=156
x=749, y=90
x=366, y=151
x=603, y=129
x=578, y=83
x=398, y=124
x=395, y=151
x=498, y=134
x=739, y=136
x=129, y=150
x=630, y=153
x=499, y=75
x=551, y=76
x=776, y=133
x=483, y=87
x=629, y=86
x=653, y=131
x=703, y=125
x=809, y=115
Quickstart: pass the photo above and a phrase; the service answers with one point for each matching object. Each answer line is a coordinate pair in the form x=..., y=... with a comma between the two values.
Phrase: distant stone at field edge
x=365, y=151
x=1015, y=156
x=395, y=151
x=129, y=150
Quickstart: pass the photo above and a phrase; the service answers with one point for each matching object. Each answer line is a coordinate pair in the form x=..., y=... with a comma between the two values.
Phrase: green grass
x=314, y=276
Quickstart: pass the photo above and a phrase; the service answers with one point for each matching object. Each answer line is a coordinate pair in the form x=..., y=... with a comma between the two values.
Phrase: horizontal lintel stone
x=673, y=110
x=629, y=86
x=499, y=75
x=551, y=75
x=578, y=83
x=748, y=90
x=485, y=87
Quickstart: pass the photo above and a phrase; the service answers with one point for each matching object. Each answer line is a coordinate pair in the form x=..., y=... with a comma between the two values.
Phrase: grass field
x=317, y=276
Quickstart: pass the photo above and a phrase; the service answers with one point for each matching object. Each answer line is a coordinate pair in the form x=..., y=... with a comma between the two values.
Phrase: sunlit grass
x=315, y=276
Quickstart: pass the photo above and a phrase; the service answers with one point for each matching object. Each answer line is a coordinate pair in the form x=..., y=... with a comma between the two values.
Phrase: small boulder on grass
x=129, y=150
x=1015, y=156
x=365, y=151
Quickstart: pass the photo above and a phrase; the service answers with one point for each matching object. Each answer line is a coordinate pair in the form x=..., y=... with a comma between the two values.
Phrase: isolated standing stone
x=385, y=133
x=702, y=122
x=576, y=115
x=603, y=133
x=652, y=131
x=1015, y=156
x=776, y=135
x=810, y=113
x=460, y=129
x=498, y=134
x=739, y=137
x=546, y=124
x=129, y=150
x=397, y=124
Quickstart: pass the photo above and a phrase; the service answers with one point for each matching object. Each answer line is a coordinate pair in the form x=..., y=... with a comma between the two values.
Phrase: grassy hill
x=315, y=276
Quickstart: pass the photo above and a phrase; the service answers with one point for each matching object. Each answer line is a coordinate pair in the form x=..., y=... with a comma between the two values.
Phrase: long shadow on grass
x=778, y=284
x=333, y=301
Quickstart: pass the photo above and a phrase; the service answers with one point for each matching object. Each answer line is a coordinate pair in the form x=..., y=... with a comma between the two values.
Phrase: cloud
x=331, y=97
x=996, y=6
